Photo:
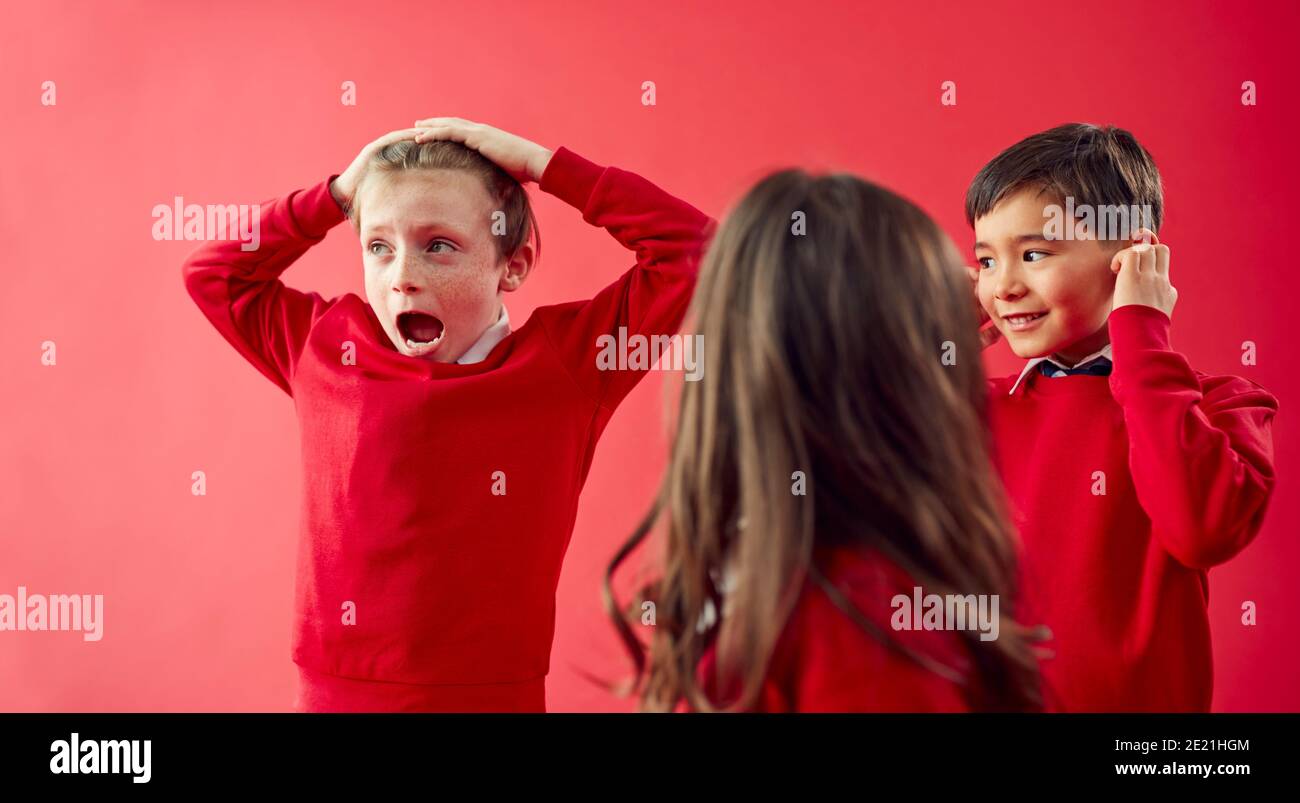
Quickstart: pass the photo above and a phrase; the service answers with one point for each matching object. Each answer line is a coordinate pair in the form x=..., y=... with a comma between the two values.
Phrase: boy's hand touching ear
x=1143, y=270
x=524, y=160
x=989, y=333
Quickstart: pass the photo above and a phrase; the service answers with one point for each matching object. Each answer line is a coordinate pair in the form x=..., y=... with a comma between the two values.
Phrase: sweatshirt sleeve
x=650, y=299
x=1200, y=448
x=240, y=291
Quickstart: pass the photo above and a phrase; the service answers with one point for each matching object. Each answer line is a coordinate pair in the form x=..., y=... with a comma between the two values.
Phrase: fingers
x=394, y=136
x=436, y=132
x=432, y=121
x=1146, y=261
x=452, y=128
x=1162, y=260
x=400, y=134
x=1117, y=261
x=453, y=133
x=1145, y=235
x=989, y=335
x=1146, y=254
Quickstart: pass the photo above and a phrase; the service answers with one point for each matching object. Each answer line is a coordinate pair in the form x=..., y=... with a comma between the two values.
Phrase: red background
x=239, y=102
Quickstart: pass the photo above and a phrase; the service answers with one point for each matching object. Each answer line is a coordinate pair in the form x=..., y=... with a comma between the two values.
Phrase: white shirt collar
x=488, y=340
x=1032, y=364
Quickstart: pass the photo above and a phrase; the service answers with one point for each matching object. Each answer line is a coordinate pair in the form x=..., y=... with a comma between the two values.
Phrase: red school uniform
x=825, y=662
x=418, y=587
x=1126, y=489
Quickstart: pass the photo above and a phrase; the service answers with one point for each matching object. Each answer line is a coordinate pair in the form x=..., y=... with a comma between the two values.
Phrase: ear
x=517, y=268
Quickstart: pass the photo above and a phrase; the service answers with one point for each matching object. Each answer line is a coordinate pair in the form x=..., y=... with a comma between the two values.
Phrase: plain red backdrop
x=239, y=102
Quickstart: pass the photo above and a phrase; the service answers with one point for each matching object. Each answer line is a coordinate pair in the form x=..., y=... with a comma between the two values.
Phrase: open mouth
x=420, y=331
x=1022, y=321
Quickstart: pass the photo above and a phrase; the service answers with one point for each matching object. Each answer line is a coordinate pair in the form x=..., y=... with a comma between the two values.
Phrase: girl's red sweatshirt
x=825, y=662
x=439, y=499
x=1126, y=489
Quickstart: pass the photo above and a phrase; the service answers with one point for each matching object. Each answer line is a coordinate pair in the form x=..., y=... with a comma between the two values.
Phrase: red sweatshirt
x=1115, y=562
x=450, y=583
x=824, y=662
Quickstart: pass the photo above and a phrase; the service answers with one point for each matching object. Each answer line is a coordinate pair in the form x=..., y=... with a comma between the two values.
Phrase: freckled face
x=433, y=274
x=1045, y=296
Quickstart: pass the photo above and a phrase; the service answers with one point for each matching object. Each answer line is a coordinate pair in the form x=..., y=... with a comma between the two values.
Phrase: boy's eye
x=442, y=243
x=376, y=245
x=1029, y=255
x=985, y=262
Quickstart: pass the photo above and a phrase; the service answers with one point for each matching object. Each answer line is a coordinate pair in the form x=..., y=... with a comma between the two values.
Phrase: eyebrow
x=421, y=228
x=1036, y=237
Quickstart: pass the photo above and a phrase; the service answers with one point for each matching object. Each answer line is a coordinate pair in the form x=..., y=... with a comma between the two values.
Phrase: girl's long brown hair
x=847, y=350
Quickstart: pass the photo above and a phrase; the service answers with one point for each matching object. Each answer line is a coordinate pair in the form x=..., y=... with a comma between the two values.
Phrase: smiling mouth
x=420, y=331
x=1022, y=321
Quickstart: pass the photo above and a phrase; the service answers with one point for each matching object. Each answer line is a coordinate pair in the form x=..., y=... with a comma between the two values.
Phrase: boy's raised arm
x=240, y=291
x=1201, y=453
x=668, y=237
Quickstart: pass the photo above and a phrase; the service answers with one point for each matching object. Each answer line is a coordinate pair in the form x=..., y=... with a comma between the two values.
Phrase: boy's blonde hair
x=508, y=195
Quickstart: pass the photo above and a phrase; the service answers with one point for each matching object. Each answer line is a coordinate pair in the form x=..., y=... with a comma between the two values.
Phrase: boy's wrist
x=537, y=166
x=314, y=211
x=334, y=193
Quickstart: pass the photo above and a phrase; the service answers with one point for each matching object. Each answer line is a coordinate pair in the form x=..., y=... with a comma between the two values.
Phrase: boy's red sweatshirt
x=1126, y=489
x=825, y=662
x=403, y=521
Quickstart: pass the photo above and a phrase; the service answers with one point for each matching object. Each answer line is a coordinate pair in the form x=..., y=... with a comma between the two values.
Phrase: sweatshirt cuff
x=1135, y=328
x=570, y=178
x=315, y=211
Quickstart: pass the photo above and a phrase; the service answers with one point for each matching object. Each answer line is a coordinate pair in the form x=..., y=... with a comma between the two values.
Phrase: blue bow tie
x=1098, y=367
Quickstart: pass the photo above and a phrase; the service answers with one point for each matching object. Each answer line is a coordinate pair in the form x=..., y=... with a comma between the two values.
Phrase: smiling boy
x=1129, y=473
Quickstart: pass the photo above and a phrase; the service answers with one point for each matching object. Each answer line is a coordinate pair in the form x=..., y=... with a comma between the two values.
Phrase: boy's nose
x=1008, y=283
x=406, y=279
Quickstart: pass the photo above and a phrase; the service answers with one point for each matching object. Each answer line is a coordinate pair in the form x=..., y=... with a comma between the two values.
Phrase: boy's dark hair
x=1097, y=166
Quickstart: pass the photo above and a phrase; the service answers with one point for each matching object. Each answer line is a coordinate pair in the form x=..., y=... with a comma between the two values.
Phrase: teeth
x=418, y=344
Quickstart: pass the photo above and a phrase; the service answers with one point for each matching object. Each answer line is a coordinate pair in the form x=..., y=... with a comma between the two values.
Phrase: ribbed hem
x=320, y=693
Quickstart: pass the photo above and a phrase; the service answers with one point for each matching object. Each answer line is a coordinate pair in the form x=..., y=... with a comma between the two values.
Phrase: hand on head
x=522, y=159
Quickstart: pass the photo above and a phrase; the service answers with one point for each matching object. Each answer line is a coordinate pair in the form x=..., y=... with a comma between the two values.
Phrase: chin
x=1027, y=350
